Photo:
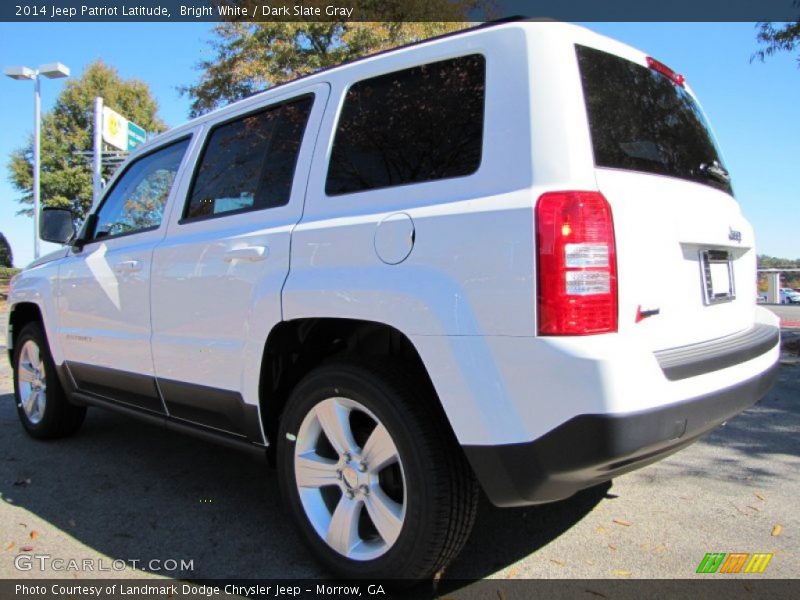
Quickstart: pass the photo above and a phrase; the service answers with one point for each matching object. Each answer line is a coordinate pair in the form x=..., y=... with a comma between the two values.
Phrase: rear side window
x=419, y=124
x=642, y=121
x=248, y=164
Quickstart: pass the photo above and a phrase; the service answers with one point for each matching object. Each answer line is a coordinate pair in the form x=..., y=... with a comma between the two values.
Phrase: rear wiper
x=716, y=170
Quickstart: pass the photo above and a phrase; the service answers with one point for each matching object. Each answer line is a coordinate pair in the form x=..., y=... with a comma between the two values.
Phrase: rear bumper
x=592, y=448
x=697, y=359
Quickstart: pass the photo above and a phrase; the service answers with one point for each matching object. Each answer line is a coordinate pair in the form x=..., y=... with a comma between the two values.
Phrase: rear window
x=641, y=120
x=419, y=124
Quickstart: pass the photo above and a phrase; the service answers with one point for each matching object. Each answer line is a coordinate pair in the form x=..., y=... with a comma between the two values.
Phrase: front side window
x=419, y=124
x=136, y=202
x=248, y=164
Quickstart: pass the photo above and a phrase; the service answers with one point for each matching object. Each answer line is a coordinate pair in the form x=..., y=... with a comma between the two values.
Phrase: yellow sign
x=115, y=129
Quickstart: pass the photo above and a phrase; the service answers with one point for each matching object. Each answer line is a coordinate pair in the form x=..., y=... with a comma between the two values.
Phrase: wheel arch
x=293, y=348
x=20, y=315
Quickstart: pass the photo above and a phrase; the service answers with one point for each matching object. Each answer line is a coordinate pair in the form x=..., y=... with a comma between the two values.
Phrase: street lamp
x=51, y=71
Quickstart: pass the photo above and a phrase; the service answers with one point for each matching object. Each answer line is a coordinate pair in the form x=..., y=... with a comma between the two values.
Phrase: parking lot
x=126, y=491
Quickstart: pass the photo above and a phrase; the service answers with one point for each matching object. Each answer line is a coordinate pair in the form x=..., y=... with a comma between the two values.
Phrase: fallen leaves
x=760, y=497
x=622, y=522
x=560, y=563
x=602, y=530
x=10, y=545
x=777, y=530
x=26, y=549
x=34, y=534
x=621, y=573
x=739, y=510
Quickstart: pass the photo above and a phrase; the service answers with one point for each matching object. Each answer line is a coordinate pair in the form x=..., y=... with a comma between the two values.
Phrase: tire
x=42, y=405
x=407, y=511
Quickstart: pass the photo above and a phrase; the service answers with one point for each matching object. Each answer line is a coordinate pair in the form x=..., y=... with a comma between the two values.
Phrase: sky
x=753, y=107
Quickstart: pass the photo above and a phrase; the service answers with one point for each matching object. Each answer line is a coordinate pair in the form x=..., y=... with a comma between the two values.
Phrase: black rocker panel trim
x=133, y=389
x=225, y=410
x=209, y=435
x=187, y=403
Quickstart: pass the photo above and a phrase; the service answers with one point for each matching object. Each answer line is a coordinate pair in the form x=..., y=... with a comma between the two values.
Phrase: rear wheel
x=42, y=405
x=372, y=476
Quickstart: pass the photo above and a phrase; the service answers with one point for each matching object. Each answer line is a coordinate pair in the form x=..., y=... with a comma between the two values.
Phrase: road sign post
x=120, y=132
x=97, y=162
x=116, y=131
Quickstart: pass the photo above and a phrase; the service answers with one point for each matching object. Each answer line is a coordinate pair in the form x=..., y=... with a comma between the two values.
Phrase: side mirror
x=56, y=225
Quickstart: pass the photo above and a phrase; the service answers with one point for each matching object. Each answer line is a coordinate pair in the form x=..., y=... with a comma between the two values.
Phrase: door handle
x=251, y=253
x=128, y=266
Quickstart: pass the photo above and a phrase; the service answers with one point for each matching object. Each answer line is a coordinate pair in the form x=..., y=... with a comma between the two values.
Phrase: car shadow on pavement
x=769, y=428
x=135, y=492
x=759, y=444
x=503, y=536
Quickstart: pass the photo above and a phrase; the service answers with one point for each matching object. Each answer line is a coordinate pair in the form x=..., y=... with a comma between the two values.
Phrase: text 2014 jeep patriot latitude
x=507, y=258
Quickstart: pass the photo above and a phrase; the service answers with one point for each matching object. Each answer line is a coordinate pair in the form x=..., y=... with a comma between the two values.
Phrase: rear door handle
x=128, y=266
x=252, y=253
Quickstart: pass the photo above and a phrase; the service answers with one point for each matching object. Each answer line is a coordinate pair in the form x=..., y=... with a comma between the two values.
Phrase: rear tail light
x=576, y=264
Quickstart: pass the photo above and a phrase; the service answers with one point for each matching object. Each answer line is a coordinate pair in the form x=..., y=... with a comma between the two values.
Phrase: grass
x=8, y=272
x=5, y=275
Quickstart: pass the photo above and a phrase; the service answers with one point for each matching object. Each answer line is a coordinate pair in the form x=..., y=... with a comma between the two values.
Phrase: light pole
x=51, y=71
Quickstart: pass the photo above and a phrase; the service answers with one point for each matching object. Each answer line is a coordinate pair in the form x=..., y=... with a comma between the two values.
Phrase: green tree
x=766, y=261
x=250, y=57
x=66, y=175
x=6, y=256
x=778, y=38
x=789, y=279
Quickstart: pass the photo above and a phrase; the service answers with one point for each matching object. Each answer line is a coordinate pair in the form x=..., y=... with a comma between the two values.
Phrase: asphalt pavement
x=124, y=493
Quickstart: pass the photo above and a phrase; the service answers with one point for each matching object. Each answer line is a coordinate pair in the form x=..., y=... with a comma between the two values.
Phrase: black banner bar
x=711, y=587
x=395, y=10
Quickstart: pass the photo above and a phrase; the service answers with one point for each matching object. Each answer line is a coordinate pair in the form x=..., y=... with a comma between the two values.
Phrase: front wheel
x=371, y=474
x=42, y=405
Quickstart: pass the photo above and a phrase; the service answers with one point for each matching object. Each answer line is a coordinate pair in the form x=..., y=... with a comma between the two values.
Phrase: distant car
x=789, y=296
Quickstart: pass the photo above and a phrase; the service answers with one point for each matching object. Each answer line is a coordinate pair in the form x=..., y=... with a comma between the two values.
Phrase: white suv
x=506, y=259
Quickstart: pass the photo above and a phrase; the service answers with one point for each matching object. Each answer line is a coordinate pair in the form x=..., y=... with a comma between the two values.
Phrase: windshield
x=642, y=121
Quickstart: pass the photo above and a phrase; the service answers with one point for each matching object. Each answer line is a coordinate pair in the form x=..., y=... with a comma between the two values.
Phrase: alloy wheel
x=350, y=479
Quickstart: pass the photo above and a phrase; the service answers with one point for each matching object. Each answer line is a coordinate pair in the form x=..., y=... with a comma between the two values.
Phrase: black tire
x=441, y=493
x=58, y=417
